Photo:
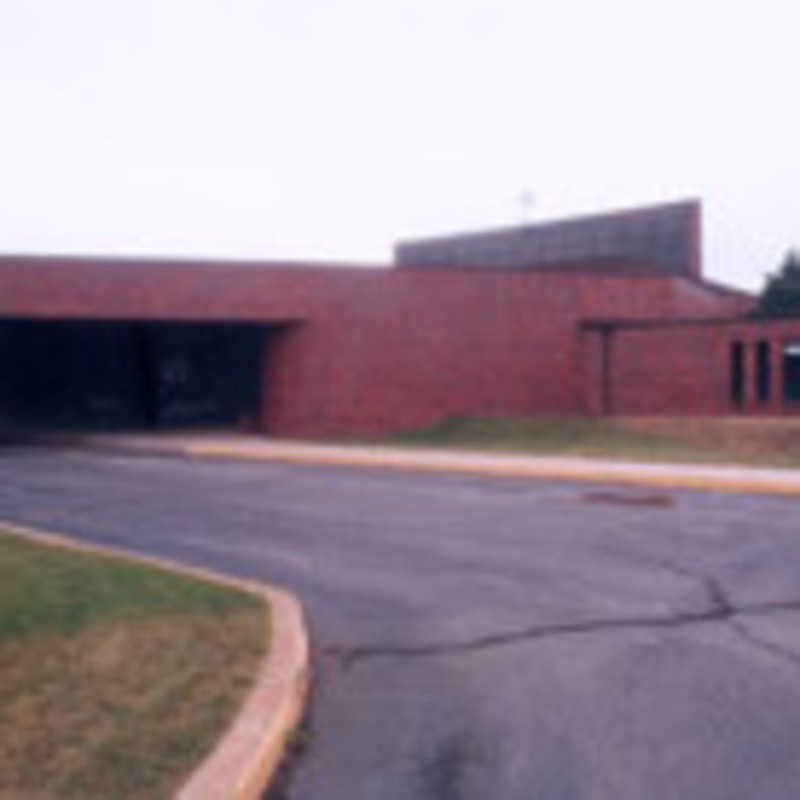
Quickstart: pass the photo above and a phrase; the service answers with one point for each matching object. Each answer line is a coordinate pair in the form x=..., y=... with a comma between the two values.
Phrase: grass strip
x=752, y=442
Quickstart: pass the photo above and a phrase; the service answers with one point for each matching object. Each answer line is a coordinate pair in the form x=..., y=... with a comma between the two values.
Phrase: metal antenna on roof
x=526, y=200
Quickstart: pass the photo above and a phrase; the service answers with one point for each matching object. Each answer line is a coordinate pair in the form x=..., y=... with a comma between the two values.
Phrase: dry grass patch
x=753, y=441
x=115, y=679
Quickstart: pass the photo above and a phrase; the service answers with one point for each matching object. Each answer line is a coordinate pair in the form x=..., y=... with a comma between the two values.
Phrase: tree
x=781, y=294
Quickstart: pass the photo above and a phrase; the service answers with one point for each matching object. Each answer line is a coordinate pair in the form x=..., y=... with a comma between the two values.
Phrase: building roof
x=663, y=239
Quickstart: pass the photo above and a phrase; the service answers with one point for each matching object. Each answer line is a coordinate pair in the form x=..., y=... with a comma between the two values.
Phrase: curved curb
x=242, y=764
x=246, y=758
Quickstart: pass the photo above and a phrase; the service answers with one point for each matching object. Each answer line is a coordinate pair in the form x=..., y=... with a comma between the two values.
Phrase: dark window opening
x=791, y=372
x=763, y=372
x=606, y=400
x=737, y=373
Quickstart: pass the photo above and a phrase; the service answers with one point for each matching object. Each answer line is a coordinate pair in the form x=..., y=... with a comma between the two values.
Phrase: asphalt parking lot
x=487, y=637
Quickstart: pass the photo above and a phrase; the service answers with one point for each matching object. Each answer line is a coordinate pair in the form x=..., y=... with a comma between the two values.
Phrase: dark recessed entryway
x=129, y=374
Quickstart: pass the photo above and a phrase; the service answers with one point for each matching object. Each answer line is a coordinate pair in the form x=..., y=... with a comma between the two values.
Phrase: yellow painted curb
x=247, y=756
x=584, y=472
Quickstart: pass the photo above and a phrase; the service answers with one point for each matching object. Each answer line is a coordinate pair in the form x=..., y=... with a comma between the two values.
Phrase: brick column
x=591, y=372
x=776, y=404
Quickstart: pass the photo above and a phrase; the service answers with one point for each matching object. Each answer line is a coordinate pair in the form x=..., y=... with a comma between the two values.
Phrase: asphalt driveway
x=487, y=638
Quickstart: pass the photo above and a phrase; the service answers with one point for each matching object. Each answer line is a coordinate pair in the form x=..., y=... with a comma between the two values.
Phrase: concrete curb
x=247, y=756
x=718, y=478
x=663, y=475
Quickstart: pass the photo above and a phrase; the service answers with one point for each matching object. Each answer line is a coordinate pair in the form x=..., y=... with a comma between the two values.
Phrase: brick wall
x=685, y=368
x=376, y=350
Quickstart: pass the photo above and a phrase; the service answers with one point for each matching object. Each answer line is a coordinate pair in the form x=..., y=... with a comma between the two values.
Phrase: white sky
x=327, y=130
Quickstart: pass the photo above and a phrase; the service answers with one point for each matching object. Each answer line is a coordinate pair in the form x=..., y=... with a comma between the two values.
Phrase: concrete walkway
x=712, y=477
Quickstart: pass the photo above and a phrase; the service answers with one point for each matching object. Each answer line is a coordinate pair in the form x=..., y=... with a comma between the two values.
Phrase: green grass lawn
x=116, y=679
x=754, y=441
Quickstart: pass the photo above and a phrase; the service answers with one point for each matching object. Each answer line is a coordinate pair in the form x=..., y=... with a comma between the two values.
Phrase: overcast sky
x=327, y=130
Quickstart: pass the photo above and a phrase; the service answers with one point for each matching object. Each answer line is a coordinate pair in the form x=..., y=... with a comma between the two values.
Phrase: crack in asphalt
x=352, y=655
x=719, y=608
x=719, y=599
x=763, y=644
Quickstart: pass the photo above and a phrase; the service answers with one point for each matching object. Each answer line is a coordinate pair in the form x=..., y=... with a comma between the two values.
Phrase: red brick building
x=604, y=315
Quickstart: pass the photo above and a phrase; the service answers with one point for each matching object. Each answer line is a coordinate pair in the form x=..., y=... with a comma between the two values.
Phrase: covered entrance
x=130, y=374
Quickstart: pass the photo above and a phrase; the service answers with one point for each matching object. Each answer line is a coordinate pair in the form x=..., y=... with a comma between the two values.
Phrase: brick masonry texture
x=377, y=350
x=684, y=367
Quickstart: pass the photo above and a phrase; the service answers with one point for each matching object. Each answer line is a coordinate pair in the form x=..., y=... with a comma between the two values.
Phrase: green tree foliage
x=781, y=294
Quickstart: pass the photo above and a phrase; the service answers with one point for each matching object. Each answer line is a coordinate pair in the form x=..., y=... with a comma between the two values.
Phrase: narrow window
x=607, y=370
x=737, y=374
x=763, y=373
x=791, y=372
